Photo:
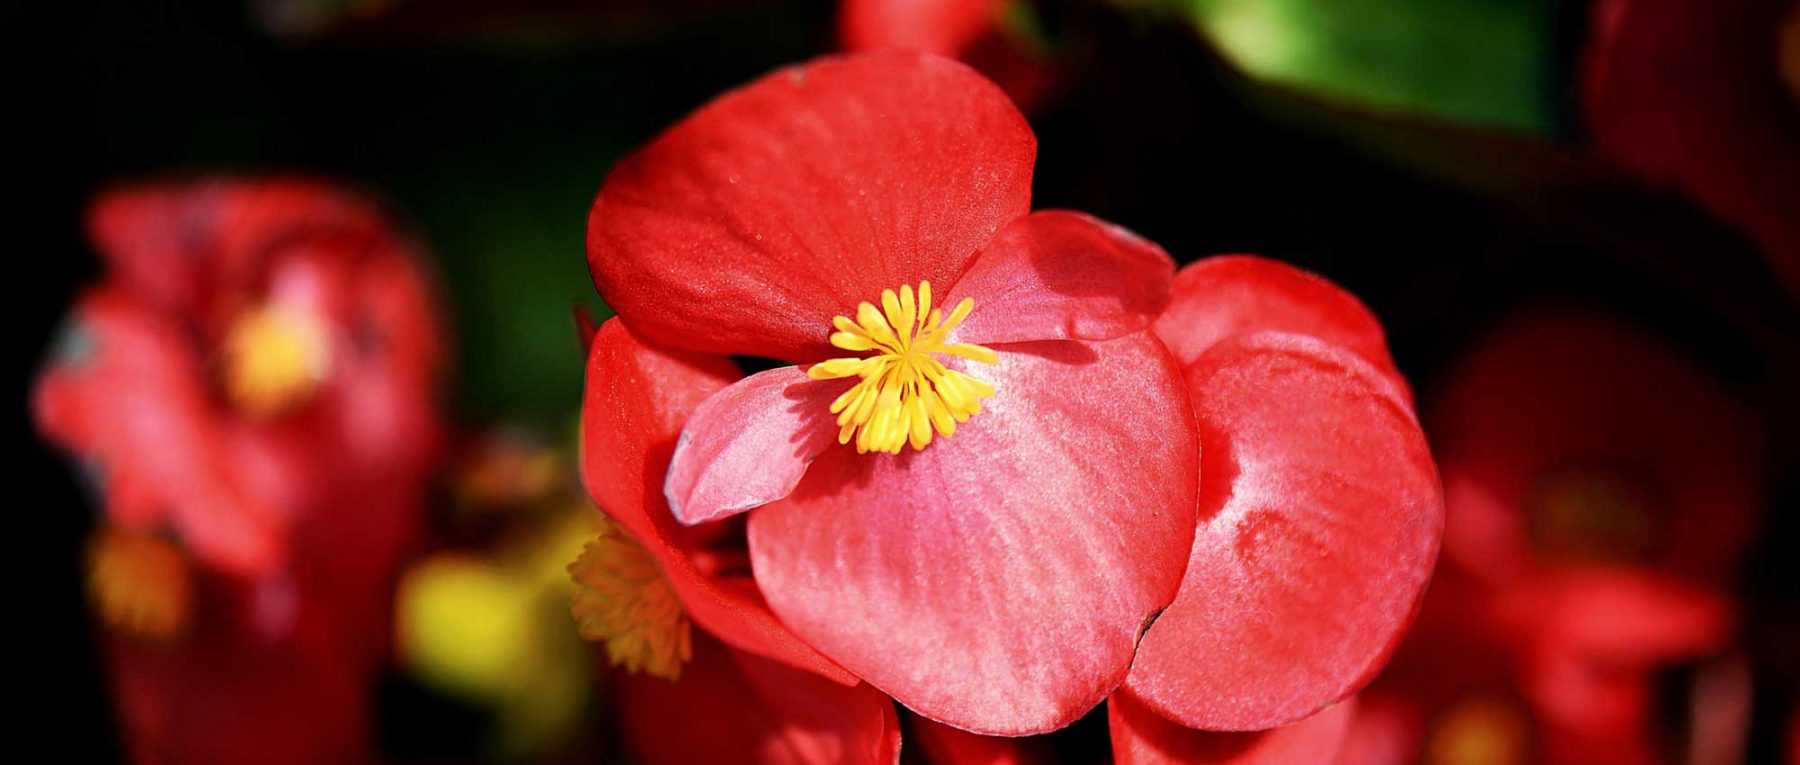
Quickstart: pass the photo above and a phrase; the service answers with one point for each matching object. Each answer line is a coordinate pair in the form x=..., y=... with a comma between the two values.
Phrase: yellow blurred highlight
x=496, y=631
x=275, y=357
x=1480, y=731
x=139, y=584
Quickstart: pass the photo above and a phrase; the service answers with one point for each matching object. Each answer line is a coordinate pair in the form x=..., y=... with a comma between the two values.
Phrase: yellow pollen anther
x=275, y=358
x=623, y=601
x=139, y=584
x=906, y=394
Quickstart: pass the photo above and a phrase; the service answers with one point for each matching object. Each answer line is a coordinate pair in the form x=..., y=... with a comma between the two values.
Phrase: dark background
x=492, y=150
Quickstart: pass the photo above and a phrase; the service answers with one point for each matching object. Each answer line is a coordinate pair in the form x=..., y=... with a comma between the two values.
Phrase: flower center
x=623, y=601
x=139, y=584
x=1787, y=46
x=1594, y=513
x=905, y=393
x=275, y=358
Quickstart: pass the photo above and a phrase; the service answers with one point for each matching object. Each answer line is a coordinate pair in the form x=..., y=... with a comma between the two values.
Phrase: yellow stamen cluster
x=905, y=393
x=139, y=584
x=274, y=359
x=623, y=601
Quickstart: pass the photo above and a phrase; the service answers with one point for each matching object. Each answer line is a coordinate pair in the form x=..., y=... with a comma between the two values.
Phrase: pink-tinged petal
x=128, y=396
x=1060, y=275
x=944, y=745
x=1142, y=737
x=998, y=580
x=748, y=445
x=944, y=27
x=638, y=396
x=730, y=706
x=748, y=226
x=1320, y=517
x=1219, y=297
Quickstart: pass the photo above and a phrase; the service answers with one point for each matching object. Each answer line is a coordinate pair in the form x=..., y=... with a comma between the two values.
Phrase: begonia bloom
x=1019, y=497
x=253, y=390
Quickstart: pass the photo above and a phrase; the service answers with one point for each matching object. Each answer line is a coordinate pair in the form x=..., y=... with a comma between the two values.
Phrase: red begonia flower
x=748, y=688
x=1320, y=512
x=261, y=360
x=997, y=576
x=1705, y=96
x=973, y=31
x=1568, y=438
x=256, y=379
x=1143, y=737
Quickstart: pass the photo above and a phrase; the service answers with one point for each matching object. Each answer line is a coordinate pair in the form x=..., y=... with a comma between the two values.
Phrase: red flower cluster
x=253, y=390
x=1017, y=464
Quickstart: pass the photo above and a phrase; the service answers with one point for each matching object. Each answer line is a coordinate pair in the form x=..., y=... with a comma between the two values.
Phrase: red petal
x=129, y=397
x=180, y=245
x=1063, y=276
x=748, y=445
x=944, y=745
x=944, y=27
x=1320, y=520
x=637, y=398
x=1142, y=737
x=1217, y=298
x=749, y=225
x=998, y=580
x=735, y=707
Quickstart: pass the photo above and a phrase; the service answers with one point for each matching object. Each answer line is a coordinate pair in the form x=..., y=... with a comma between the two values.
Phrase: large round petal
x=637, y=398
x=998, y=580
x=748, y=226
x=730, y=706
x=1058, y=275
x=1320, y=516
x=1217, y=298
x=1142, y=737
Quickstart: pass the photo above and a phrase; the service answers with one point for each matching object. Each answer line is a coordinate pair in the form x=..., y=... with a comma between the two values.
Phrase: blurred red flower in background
x=253, y=388
x=740, y=687
x=1705, y=96
x=960, y=577
x=1320, y=518
x=1601, y=491
x=999, y=38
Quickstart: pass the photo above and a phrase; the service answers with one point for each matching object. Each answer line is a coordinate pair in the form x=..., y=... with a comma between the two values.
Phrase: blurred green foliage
x=1490, y=62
